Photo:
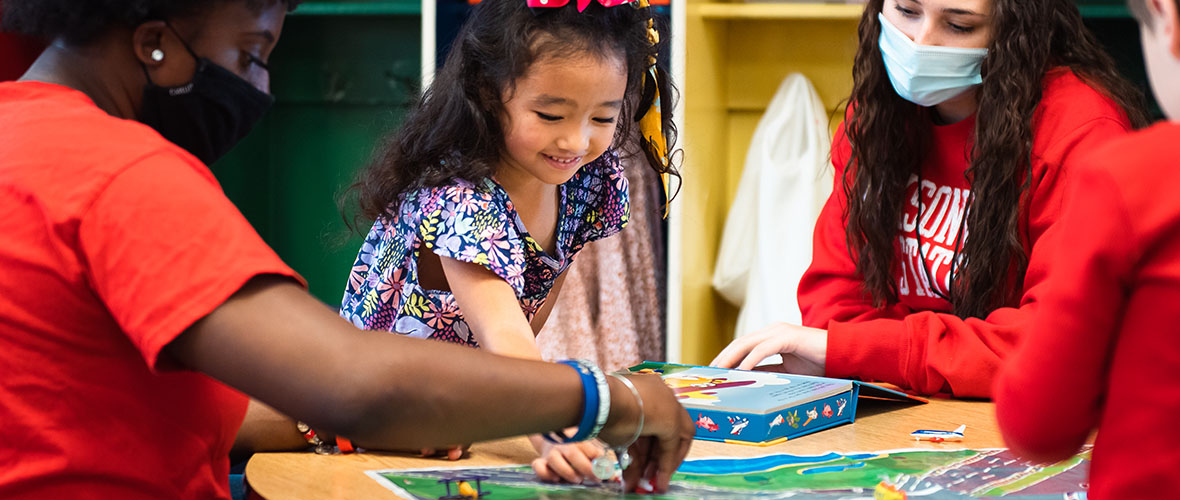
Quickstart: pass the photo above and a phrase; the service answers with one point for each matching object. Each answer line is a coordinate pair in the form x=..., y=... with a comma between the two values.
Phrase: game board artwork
x=926, y=474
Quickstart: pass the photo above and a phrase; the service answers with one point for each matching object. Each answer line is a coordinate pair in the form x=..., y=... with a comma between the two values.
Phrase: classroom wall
x=343, y=76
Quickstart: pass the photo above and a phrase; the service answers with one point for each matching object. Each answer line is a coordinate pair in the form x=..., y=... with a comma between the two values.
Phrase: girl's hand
x=451, y=453
x=804, y=349
x=664, y=439
x=569, y=463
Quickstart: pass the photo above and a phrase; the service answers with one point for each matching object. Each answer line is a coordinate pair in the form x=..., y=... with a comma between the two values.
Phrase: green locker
x=343, y=75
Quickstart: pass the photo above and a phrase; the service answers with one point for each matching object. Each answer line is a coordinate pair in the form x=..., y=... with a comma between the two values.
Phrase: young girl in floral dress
x=504, y=170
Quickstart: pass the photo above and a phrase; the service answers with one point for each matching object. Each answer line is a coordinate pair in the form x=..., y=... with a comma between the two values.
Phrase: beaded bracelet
x=602, y=467
x=603, y=399
x=595, y=403
x=320, y=446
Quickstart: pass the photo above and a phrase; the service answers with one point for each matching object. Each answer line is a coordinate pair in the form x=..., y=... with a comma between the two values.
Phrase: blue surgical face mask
x=926, y=75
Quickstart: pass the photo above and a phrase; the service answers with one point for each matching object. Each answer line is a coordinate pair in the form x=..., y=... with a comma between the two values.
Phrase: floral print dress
x=475, y=223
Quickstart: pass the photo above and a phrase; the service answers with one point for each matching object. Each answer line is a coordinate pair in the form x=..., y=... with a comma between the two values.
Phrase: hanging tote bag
x=766, y=244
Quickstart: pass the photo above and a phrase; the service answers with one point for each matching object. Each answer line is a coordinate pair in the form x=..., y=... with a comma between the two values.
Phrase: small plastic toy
x=939, y=436
x=886, y=491
x=466, y=492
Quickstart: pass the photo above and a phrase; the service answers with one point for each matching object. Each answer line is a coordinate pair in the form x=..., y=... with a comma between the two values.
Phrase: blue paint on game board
x=751, y=465
x=832, y=468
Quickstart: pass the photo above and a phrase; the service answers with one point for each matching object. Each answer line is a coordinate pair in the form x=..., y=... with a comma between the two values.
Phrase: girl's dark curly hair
x=80, y=21
x=454, y=129
x=890, y=137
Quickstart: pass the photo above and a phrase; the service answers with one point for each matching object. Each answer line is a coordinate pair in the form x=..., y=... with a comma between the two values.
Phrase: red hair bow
x=582, y=4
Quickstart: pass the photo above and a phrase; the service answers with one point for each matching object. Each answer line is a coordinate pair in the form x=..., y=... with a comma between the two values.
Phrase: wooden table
x=879, y=426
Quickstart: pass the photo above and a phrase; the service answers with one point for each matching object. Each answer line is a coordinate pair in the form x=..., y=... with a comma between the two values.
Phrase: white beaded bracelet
x=603, y=399
x=603, y=468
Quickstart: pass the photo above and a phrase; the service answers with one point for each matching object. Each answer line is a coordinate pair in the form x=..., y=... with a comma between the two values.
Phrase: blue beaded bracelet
x=595, y=403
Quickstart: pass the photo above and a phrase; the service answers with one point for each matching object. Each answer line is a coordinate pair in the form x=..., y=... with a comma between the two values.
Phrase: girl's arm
x=490, y=307
x=493, y=313
x=932, y=352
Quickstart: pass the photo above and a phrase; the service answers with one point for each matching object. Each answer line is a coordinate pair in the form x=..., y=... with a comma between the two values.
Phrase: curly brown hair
x=890, y=137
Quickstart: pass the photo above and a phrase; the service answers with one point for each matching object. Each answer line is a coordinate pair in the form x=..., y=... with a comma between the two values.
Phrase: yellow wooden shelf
x=738, y=54
x=772, y=11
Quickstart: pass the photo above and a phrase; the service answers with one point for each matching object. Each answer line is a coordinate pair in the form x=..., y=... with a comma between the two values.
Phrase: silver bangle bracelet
x=639, y=402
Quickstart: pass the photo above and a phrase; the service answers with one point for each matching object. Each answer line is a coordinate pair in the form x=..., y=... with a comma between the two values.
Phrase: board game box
x=763, y=408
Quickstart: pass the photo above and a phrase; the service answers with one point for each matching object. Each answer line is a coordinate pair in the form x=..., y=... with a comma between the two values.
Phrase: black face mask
x=207, y=116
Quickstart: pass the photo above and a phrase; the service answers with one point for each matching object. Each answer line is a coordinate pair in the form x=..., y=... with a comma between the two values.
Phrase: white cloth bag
x=766, y=245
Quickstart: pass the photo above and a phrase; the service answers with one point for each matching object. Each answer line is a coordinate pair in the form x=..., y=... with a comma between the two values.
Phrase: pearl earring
x=157, y=55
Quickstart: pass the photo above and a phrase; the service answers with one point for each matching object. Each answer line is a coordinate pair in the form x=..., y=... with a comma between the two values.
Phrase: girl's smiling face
x=562, y=114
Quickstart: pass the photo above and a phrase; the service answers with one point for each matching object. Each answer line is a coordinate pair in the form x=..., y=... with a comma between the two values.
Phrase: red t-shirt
x=114, y=242
x=915, y=342
x=1103, y=349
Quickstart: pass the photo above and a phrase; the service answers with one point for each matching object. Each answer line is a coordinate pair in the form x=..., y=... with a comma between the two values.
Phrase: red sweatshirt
x=1104, y=348
x=915, y=343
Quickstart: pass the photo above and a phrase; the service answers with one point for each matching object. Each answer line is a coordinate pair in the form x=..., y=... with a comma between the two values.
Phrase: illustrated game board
x=928, y=474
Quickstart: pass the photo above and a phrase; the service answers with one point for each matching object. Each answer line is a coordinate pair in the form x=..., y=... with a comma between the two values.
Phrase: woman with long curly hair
x=930, y=256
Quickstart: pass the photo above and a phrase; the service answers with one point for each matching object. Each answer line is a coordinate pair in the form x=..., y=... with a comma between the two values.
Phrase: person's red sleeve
x=1048, y=394
x=926, y=351
x=165, y=247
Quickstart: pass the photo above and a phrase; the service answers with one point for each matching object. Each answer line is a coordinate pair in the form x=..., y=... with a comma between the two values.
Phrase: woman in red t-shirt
x=964, y=114
x=131, y=289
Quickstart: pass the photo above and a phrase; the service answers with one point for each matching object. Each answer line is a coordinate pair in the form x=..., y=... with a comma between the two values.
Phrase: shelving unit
x=738, y=54
x=775, y=11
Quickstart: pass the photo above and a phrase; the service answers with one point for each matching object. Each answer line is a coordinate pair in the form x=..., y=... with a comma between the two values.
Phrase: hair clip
x=582, y=4
x=651, y=119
